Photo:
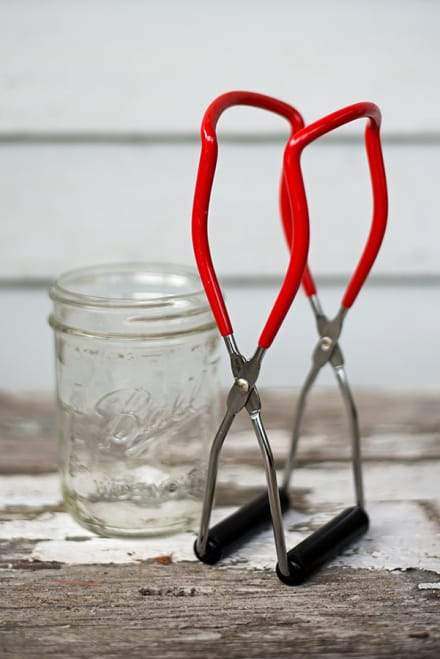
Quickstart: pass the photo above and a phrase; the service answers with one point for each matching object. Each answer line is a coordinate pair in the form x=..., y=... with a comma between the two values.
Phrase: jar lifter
x=293, y=566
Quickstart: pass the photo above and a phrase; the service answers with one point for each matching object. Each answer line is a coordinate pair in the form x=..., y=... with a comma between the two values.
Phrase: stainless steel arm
x=347, y=396
x=299, y=414
x=328, y=351
x=211, y=480
x=274, y=496
x=295, y=565
x=212, y=543
x=332, y=538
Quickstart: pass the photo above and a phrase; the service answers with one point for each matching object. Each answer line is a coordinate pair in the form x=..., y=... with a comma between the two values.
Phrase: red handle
x=204, y=181
x=286, y=217
x=378, y=181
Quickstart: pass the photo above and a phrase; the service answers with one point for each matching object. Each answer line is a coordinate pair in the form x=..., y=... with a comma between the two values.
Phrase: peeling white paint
x=401, y=537
x=429, y=586
x=400, y=445
x=332, y=482
x=115, y=550
x=326, y=482
x=47, y=526
x=30, y=491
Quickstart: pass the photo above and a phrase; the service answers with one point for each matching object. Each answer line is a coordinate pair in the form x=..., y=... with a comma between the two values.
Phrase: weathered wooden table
x=66, y=593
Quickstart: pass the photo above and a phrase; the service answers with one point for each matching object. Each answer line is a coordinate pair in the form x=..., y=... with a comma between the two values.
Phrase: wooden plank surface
x=169, y=611
x=407, y=429
x=65, y=592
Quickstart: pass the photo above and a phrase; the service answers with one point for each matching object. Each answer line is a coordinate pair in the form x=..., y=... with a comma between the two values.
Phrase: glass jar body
x=137, y=412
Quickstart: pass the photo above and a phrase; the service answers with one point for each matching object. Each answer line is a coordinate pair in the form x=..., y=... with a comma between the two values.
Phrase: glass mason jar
x=138, y=396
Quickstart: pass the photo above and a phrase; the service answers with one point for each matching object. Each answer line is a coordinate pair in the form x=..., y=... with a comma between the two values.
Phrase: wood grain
x=149, y=598
x=29, y=445
x=172, y=611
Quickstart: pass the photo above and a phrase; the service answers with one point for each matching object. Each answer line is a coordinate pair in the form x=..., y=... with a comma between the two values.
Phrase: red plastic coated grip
x=378, y=181
x=202, y=194
x=286, y=217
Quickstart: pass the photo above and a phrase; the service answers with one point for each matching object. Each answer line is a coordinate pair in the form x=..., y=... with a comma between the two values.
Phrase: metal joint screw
x=242, y=384
x=326, y=343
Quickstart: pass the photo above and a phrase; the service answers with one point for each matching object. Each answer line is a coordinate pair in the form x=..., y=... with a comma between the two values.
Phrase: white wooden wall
x=100, y=107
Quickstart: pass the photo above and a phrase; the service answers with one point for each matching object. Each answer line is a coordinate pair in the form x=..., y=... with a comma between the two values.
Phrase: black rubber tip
x=324, y=544
x=212, y=554
x=236, y=529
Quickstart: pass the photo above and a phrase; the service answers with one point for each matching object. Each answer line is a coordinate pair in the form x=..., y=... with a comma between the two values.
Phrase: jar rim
x=63, y=290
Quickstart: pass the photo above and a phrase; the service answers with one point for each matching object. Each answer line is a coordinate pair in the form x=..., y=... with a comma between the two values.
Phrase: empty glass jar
x=136, y=364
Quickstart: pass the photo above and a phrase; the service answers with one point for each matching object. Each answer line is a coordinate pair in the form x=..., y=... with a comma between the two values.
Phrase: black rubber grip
x=324, y=544
x=238, y=527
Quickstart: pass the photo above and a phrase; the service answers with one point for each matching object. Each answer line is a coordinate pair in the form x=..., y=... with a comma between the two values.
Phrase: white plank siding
x=118, y=65
x=389, y=338
x=100, y=107
x=66, y=206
